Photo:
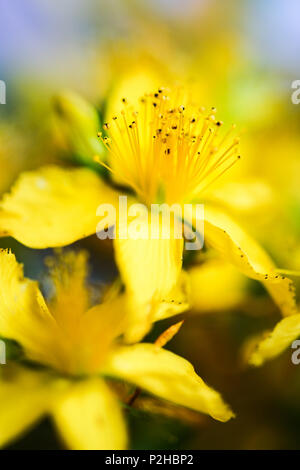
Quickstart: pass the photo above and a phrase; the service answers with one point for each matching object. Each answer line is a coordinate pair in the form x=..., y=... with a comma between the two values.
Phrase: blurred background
x=238, y=55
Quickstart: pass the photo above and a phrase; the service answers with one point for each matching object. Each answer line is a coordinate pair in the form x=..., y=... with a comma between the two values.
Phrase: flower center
x=167, y=149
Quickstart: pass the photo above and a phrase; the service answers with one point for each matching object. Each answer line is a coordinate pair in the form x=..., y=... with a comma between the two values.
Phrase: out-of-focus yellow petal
x=226, y=236
x=243, y=197
x=54, y=206
x=140, y=316
x=89, y=417
x=216, y=285
x=24, y=315
x=167, y=375
x=150, y=269
x=177, y=301
x=284, y=333
x=132, y=86
x=97, y=329
x=25, y=396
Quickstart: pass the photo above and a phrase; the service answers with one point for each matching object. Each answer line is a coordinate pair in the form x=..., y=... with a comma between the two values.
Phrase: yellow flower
x=167, y=150
x=79, y=346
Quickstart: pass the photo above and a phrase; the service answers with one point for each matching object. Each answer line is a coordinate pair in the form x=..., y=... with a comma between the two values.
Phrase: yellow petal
x=284, y=333
x=141, y=316
x=234, y=245
x=137, y=81
x=106, y=321
x=250, y=196
x=149, y=267
x=25, y=397
x=24, y=315
x=177, y=301
x=168, y=376
x=54, y=206
x=89, y=417
x=215, y=285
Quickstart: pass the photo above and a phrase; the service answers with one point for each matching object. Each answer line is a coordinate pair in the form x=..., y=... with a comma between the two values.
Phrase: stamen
x=170, y=144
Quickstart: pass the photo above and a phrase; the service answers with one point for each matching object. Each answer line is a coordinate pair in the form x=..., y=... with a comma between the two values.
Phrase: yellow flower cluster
x=166, y=149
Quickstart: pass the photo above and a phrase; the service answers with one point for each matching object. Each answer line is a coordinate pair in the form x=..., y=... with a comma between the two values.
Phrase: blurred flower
x=80, y=345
